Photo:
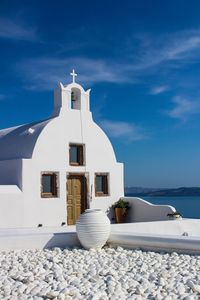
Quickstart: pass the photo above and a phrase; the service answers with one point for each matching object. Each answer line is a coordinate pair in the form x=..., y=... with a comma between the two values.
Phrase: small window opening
x=49, y=187
x=76, y=156
x=101, y=185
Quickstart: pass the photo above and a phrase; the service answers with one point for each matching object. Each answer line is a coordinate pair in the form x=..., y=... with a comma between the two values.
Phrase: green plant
x=121, y=204
x=176, y=213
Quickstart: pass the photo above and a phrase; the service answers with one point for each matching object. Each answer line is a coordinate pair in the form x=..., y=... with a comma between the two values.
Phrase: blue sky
x=142, y=61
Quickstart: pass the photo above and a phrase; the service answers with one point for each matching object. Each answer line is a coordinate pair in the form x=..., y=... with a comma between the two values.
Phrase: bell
x=72, y=96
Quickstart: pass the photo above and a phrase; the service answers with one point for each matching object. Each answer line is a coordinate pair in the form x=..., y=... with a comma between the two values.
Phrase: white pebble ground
x=98, y=274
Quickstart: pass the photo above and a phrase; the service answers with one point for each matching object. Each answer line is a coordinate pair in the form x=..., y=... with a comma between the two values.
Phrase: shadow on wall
x=63, y=240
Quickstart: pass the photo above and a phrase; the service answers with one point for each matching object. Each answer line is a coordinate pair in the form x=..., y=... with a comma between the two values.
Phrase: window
x=49, y=185
x=101, y=184
x=76, y=155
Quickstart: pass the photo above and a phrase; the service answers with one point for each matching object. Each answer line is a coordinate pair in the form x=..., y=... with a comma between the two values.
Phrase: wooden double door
x=76, y=197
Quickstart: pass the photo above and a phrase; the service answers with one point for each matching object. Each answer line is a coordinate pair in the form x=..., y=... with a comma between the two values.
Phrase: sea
x=189, y=207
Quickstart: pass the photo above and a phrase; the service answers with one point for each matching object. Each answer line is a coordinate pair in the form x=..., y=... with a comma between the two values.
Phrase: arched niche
x=75, y=98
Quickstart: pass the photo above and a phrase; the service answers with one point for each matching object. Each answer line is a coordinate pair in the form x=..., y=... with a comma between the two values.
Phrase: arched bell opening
x=75, y=98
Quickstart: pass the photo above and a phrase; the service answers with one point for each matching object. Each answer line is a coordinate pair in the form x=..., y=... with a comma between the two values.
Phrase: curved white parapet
x=93, y=228
x=144, y=211
x=181, y=244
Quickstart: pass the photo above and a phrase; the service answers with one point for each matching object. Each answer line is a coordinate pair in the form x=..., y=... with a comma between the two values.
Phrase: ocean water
x=189, y=207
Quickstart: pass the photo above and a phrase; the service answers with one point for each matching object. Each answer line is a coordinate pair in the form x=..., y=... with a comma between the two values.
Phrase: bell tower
x=71, y=97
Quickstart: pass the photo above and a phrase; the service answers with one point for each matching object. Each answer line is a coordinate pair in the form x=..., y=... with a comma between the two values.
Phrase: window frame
x=106, y=184
x=55, y=188
x=81, y=155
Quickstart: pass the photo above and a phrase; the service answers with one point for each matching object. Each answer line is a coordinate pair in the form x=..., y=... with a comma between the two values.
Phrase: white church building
x=52, y=170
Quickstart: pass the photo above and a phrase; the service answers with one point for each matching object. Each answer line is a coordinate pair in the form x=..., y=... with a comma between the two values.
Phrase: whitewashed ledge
x=156, y=236
x=179, y=244
x=38, y=238
x=181, y=236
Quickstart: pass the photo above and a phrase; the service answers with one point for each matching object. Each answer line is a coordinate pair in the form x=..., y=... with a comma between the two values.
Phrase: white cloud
x=183, y=108
x=14, y=30
x=127, y=131
x=183, y=46
x=44, y=73
x=167, y=49
x=159, y=90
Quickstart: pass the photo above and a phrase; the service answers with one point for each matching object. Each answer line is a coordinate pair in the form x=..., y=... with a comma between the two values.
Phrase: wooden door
x=76, y=197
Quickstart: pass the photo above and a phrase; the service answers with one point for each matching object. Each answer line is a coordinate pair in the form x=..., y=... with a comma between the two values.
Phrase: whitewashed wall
x=144, y=211
x=52, y=154
x=11, y=206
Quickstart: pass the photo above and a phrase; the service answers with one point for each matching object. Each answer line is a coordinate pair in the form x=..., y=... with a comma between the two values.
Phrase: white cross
x=73, y=74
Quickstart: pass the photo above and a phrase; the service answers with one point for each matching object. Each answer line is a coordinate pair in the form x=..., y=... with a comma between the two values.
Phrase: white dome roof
x=19, y=141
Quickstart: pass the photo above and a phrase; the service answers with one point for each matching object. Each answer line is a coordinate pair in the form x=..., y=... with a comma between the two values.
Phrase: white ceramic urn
x=93, y=228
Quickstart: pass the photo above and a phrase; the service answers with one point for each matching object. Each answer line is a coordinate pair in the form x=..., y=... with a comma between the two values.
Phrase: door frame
x=85, y=177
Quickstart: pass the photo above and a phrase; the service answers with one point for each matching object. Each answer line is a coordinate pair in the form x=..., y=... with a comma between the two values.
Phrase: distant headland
x=182, y=191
